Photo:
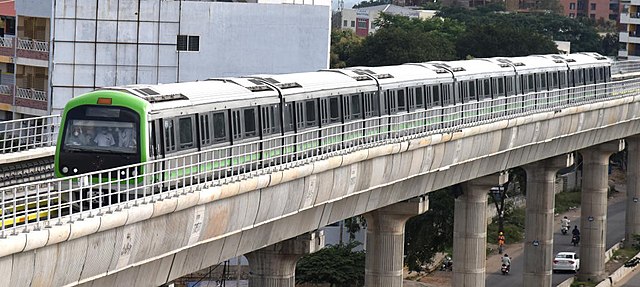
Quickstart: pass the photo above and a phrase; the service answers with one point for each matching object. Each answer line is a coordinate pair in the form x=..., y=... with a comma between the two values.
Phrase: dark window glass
x=194, y=43
x=436, y=95
x=236, y=124
x=310, y=111
x=419, y=94
x=205, y=136
x=530, y=83
x=182, y=43
x=472, y=90
x=249, y=122
x=334, y=109
x=355, y=107
x=486, y=93
x=219, y=127
x=288, y=117
x=186, y=132
x=543, y=81
x=169, y=136
x=402, y=105
x=501, y=86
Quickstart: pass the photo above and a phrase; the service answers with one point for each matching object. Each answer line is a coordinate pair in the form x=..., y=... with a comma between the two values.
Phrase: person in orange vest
x=501, y=240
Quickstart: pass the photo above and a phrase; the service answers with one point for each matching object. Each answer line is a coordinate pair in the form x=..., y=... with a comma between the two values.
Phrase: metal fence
x=624, y=67
x=32, y=206
x=6, y=42
x=25, y=134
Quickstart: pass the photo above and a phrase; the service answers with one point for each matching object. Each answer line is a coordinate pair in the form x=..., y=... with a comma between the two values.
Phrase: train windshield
x=100, y=130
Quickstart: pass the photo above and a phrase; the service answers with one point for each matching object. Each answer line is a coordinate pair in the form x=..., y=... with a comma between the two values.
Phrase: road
x=615, y=232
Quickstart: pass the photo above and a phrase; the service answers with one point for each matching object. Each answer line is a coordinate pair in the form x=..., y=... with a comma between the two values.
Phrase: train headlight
x=122, y=173
x=65, y=169
x=75, y=170
x=134, y=172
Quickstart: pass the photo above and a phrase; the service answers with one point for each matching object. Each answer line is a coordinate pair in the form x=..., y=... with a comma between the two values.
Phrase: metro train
x=289, y=113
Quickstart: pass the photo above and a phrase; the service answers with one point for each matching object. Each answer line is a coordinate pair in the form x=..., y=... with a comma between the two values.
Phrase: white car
x=566, y=261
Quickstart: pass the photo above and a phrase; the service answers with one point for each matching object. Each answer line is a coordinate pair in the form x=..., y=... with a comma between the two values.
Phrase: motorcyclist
x=506, y=260
x=575, y=231
x=565, y=222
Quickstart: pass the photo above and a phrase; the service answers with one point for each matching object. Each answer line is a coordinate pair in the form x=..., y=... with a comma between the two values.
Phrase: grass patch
x=513, y=227
x=566, y=201
x=624, y=254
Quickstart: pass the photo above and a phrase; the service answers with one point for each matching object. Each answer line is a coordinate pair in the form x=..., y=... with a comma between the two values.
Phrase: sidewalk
x=494, y=262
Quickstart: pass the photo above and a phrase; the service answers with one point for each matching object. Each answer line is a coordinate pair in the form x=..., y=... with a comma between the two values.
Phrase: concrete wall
x=34, y=8
x=202, y=227
x=131, y=41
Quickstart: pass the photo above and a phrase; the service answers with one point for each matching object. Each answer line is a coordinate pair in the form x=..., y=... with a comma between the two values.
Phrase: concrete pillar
x=632, y=225
x=470, y=231
x=538, y=233
x=275, y=265
x=385, y=242
x=593, y=227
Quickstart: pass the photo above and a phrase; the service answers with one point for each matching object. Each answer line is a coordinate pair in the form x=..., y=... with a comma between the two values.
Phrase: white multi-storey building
x=64, y=48
x=630, y=39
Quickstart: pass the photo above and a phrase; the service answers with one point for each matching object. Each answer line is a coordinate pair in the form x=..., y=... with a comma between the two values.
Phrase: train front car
x=101, y=130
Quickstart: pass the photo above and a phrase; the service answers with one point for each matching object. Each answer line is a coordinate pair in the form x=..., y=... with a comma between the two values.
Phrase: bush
x=513, y=227
x=566, y=201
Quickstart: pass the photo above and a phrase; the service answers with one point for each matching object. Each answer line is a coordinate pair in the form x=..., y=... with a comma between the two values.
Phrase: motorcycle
x=447, y=264
x=564, y=230
x=505, y=269
x=575, y=240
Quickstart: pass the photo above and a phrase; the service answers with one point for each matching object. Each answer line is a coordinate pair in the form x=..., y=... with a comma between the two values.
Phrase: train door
x=417, y=114
x=372, y=121
x=271, y=134
x=353, y=124
x=331, y=122
x=214, y=142
x=434, y=107
x=307, y=123
x=245, y=150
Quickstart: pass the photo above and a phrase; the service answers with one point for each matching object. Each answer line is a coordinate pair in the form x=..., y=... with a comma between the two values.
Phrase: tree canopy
x=337, y=265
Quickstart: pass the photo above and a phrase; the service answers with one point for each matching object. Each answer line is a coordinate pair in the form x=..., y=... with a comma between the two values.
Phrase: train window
x=590, y=76
x=419, y=97
x=288, y=117
x=579, y=79
x=607, y=74
x=356, y=111
x=250, y=122
x=219, y=124
x=205, y=136
x=530, y=83
x=334, y=110
x=500, y=86
x=299, y=112
x=543, y=82
x=473, y=95
x=554, y=81
x=185, y=129
x=486, y=89
x=270, y=119
x=402, y=103
x=169, y=136
x=390, y=104
x=310, y=113
x=562, y=79
x=436, y=95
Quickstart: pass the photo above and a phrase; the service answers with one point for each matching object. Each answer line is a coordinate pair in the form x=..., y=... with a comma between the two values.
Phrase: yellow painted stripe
x=34, y=204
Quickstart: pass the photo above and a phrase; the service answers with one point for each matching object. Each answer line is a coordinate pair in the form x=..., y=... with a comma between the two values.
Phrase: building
x=63, y=48
x=361, y=20
x=630, y=38
x=599, y=10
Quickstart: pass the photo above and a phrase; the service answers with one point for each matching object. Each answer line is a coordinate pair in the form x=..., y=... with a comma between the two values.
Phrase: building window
x=188, y=43
x=344, y=23
x=353, y=24
x=592, y=16
x=593, y=6
x=572, y=6
x=571, y=15
x=362, y=24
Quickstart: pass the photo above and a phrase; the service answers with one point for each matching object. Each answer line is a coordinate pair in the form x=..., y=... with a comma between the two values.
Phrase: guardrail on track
x=25, y=134
x=625, y=67
x=103, y=191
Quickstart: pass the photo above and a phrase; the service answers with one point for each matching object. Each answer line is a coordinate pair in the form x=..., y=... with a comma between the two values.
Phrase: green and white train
x=290, y=113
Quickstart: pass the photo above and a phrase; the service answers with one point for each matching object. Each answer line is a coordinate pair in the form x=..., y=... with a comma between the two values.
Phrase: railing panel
x=25, y=134
x=33, y=45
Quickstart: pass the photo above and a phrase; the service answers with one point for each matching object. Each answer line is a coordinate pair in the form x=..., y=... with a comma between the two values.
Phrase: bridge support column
x=470, y=231
x=632, y=225
x=538, y=234
x=593, y=220
x=385, y=242
x=275, y=265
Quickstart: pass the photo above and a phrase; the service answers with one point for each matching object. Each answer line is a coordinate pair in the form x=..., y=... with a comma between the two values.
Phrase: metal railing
x=25, y=134
x=32, y=206
x=31, y=94
x=6, y=42
x=6, y=90
x=623, y=67
x=33, y=45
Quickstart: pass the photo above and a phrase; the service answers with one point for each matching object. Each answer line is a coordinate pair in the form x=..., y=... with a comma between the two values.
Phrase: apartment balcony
x=33, y=49
x=630, y=18
x=6, y=94
x=31, y=98
x=6, y=46
x=623, y=37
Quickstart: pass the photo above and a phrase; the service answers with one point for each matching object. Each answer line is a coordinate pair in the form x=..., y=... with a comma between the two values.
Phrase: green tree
x=343, y=43
x=337, y=265
x=431, y=232
x=610, y=44
x=484, y=41
x=371, y=3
